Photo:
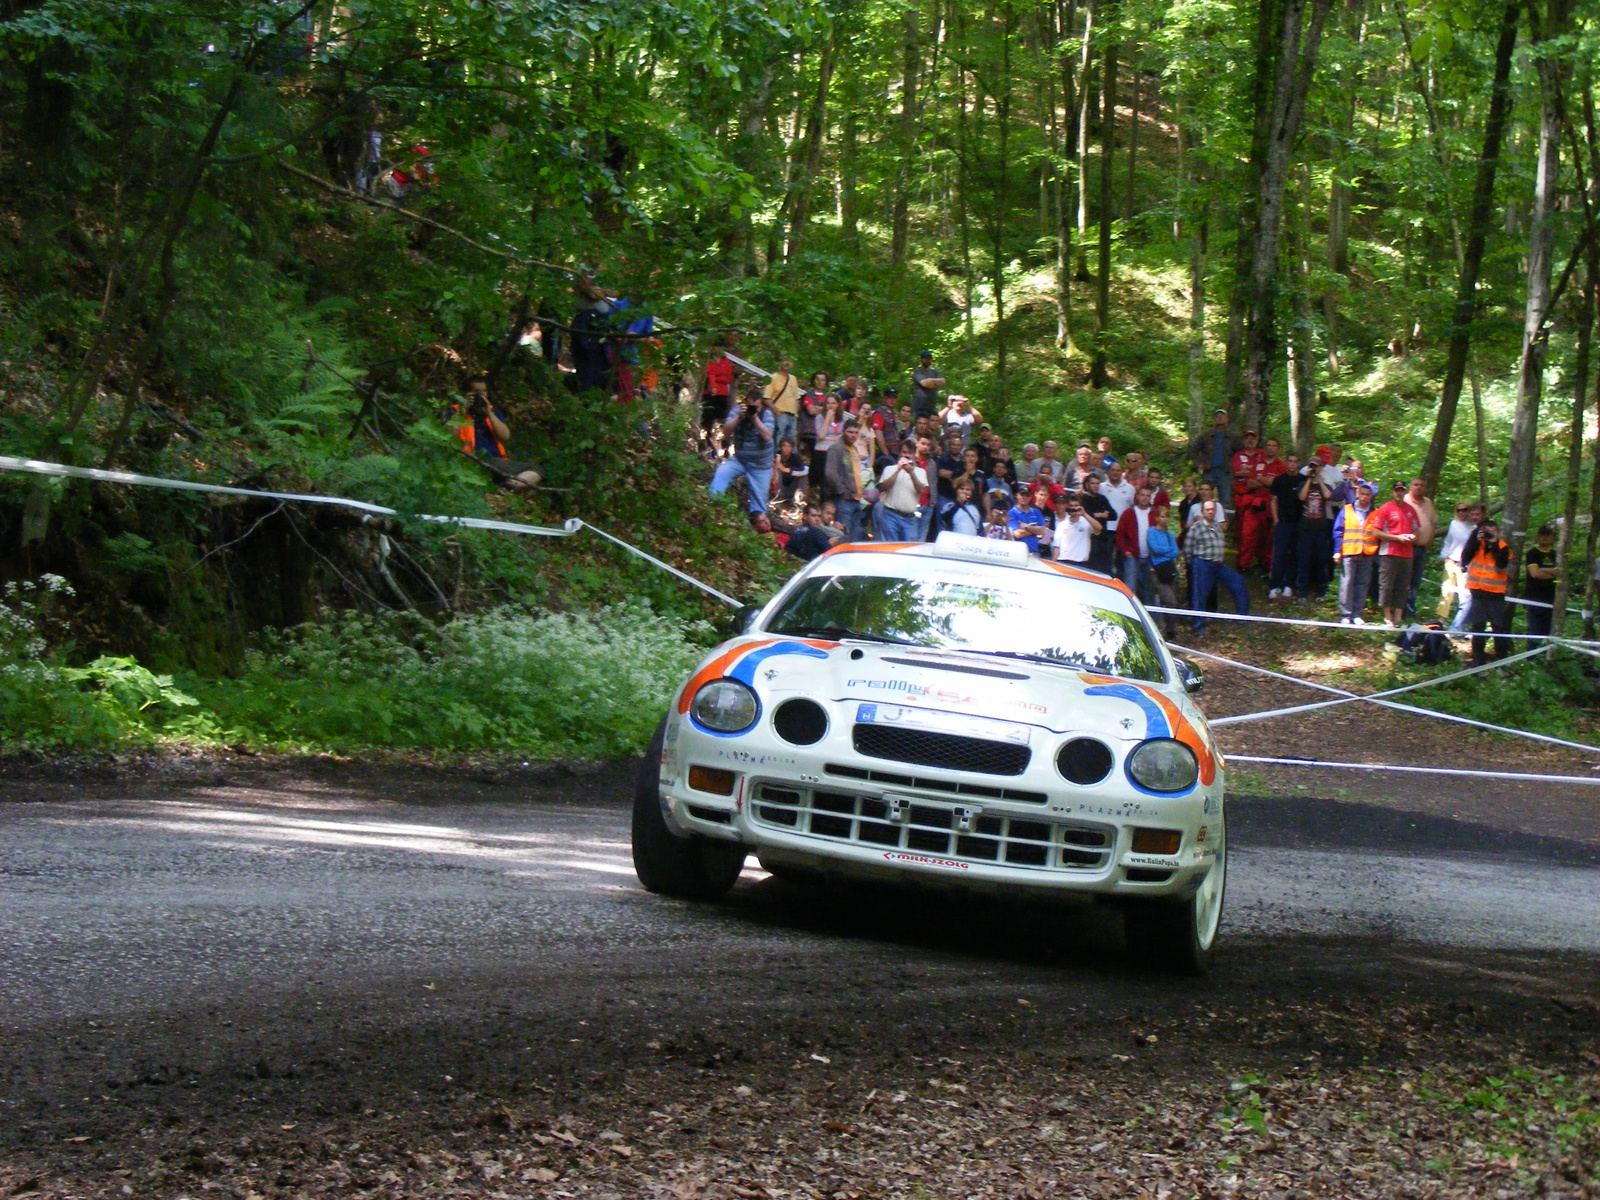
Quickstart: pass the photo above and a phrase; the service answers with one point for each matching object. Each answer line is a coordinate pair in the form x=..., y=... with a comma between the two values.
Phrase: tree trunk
x=1063, y=207
x=964, y=177
x=1482, y=443
x=1098, y=376
x=1478, y=224
x=1301, y=369
x=1269, y=15
x=1197, y=323
x=1541, y=237
x=738, y=241
x=1085, y=112
x=1580, y=386
x=1338, y=225
x=1002, y=198
x=1133, y=135
x=849, y=217
x=900, y=222
x=1296, y=58
x=816, y=133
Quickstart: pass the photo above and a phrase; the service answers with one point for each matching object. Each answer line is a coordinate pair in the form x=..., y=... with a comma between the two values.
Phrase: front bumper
x=831, y=811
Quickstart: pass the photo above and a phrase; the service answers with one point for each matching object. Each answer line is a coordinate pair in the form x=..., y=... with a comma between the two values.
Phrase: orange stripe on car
x=1087, y=576
x=719, y=666
x=1180, y=725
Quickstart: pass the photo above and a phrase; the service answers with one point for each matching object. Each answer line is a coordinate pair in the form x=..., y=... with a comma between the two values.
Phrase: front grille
x=950, y=751
x=930, y=828
x=927, y=784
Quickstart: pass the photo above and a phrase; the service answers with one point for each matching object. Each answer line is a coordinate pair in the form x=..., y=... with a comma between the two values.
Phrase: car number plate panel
x=960, y=724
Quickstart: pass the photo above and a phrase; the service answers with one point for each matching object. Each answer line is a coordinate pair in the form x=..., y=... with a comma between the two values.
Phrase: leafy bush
x=543, y=684
x=42, y=702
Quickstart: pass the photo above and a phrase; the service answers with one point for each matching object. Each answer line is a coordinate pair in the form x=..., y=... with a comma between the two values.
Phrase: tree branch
x=336, y=189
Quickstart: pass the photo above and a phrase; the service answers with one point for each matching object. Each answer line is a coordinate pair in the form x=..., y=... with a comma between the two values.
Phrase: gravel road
x=266, y=950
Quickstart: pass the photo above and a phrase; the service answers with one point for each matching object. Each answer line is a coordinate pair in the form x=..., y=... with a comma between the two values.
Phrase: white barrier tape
x=1520, y=776
x=1580, y=647
x=1306, y=622
x=572, y=526
x=1351, y=699
x=705, y=587
x=1571, y=612
x=1398, y=707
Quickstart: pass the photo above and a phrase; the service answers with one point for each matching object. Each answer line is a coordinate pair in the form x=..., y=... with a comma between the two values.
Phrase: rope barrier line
x=705, y=587
x=1520, y=776
x=1307, y=622
x=1351, y=698
x=61, y=470
x=1390, y=704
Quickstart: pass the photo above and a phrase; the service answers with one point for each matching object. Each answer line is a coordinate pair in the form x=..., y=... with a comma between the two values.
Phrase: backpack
x=1425, y=644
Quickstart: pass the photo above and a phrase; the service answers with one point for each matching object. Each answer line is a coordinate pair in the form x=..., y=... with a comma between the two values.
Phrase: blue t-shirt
x=749, y=447
x=1020, y=516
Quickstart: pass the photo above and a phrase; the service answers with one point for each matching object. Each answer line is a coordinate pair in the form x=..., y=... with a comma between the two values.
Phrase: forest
x=264, y=244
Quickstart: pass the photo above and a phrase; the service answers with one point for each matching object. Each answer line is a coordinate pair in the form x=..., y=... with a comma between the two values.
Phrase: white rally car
x=955, y=714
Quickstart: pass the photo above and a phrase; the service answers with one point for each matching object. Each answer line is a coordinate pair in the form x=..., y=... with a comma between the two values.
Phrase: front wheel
x=1179, y=936
x=691, y=868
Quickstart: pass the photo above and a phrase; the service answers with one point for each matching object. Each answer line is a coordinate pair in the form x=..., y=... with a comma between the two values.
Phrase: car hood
x=980, y=687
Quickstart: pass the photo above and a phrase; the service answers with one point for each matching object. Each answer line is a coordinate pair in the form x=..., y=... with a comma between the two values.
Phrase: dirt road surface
x=335, y=981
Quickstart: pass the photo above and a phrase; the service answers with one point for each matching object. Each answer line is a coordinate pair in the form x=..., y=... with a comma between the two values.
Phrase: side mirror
x=745, y=618
x=1190, y=675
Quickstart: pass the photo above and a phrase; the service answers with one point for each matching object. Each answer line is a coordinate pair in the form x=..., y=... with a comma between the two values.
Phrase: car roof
x=929, y=550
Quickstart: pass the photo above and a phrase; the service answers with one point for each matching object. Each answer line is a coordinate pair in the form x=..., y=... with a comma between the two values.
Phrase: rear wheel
x=1179, y=936
x=693, y=868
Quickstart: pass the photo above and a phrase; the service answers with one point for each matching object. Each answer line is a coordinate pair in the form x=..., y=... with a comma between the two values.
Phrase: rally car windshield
x=1031, y=618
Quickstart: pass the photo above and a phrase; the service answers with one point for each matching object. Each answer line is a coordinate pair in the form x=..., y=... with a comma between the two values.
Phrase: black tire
x=690, y=868
x=1179, y=936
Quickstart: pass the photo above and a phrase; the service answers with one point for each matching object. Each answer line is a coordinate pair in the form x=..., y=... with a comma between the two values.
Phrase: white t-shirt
x=1072, y=540
x=1455, y=538
x=962, y=425
x=908, y=486
x=1119, y=495
x=1142, y=517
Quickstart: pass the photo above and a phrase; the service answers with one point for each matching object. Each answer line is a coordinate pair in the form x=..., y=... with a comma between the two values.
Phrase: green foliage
x=506, y=679
x=41, y=703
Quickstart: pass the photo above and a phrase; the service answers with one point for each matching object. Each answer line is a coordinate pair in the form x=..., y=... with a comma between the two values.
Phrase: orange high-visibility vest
x=1358, y=539
x=1483, y=575
x=468, y=434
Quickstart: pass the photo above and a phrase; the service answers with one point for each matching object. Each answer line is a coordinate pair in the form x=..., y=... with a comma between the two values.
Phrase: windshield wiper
x=838, y=633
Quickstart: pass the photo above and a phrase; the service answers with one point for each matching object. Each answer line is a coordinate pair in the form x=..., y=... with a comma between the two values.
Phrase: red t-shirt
x=1394, y=518
x=719, y=376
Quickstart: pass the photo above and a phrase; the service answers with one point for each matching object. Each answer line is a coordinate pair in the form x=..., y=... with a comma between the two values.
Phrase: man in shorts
x=1395, y=525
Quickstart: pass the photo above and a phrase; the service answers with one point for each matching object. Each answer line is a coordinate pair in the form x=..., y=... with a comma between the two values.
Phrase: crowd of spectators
x=820, y=463
x=824, y=464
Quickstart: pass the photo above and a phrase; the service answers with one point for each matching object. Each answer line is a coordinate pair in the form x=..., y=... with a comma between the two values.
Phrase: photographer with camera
x=484, y=437
x=750, y=426
x=901, y=486
x=1484, y=558
x=1075, y=531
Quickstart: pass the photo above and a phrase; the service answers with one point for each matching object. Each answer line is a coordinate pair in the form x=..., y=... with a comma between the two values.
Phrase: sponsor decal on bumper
x=924, y=860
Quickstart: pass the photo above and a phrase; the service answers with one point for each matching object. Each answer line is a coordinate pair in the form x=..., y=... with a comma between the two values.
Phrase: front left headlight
x=1163, y=765
x=725, y=706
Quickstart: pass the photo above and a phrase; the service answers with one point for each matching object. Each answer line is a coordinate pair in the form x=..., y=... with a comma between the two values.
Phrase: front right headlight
x=725, y=706
x=1163, y=765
